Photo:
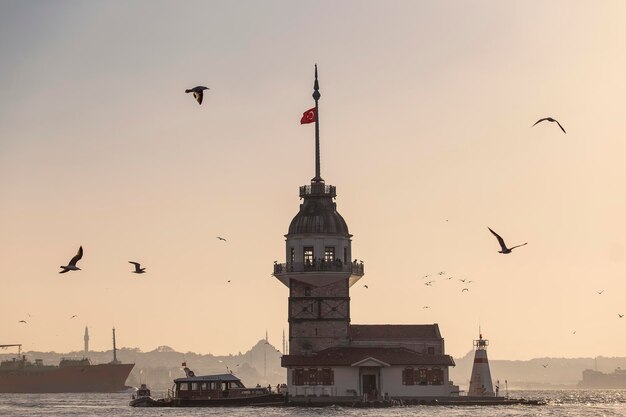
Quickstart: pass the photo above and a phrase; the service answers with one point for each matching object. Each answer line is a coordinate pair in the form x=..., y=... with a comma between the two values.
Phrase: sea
x=560, y=403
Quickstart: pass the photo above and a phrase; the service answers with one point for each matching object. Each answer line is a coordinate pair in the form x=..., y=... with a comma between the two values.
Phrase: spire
x=316, y=97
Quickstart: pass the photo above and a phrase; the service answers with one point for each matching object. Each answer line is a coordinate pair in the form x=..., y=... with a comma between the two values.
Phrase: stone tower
x=318, y=270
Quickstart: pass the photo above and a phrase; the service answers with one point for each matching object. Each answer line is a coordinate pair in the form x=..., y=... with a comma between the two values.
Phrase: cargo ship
x=20, y=375
x=600, y=380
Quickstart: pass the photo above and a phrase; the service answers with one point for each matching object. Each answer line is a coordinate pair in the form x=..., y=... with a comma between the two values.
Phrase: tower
x=318, y=270
x=114, y=349
x=86, y=339
x=480, y=383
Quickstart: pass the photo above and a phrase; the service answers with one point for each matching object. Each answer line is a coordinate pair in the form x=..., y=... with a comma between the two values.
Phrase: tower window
x=308, y=255
x=329, y=254
x=292, y=255
x=345, y=254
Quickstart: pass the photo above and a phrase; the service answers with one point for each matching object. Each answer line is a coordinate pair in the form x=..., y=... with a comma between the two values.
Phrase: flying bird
x=600, y=292
x=546, y=365
x=138, y=268
x=221, y=238
x=620, y=315
x=426, y=307
x=441, y=273
x=462, y=279
x=71, y=266
x=228, y=281
x=465, y=289
x=550, y=119
x=429, y=283
x=73, y=316
x=504, y=250
x=197, y=92
x=449, y=278
x=22, y=321
x=366, y=286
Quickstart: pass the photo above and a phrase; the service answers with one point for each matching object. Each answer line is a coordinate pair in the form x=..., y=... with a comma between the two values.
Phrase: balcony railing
x=318, y=189
x=320, y=266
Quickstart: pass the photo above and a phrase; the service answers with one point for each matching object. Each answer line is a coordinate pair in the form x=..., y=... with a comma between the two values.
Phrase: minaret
x=318, y=270
x=114, y=349
x=86, y=339
x=480, y=383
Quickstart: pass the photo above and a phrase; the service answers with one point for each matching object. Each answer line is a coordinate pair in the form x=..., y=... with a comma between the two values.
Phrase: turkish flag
x=308, y=116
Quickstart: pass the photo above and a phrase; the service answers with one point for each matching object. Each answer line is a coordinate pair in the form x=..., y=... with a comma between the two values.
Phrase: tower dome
x=318, y=213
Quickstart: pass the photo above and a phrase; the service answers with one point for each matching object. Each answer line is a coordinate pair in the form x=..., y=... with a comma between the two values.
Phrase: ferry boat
x=142, y=398
x=221, y=390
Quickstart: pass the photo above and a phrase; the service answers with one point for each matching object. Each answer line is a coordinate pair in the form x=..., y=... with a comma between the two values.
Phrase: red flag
x=308, y=116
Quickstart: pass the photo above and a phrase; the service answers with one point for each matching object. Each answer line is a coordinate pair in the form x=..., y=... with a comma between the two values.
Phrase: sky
x=425, y=123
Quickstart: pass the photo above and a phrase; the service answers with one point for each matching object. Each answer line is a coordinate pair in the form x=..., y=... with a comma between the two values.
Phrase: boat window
x=183, y=386
x=224, y=386
x=195, y=386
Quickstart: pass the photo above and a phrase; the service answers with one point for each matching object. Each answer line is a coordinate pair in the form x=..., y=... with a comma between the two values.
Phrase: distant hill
x=560, y=372
x=158, y=368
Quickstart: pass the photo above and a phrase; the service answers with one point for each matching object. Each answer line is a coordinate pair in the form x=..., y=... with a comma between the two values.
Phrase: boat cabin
x=210, y=387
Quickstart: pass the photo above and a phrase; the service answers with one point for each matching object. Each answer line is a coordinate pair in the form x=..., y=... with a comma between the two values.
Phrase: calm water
x=561, y=403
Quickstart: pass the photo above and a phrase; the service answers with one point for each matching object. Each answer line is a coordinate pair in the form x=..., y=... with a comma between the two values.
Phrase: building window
x=298, y=376
x=435, y=376
x=329, y=254
x=408, y=376
x=422, y=377
x=328, y=376
x=308, y=255
x=292, y=255
x=313, y=376
x=431, y=350
x=307, y=291
x=345, y=254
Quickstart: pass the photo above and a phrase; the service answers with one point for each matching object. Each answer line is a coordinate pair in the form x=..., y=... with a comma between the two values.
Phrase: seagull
x=22, y=321
x=138, y=268
x=197, y=92
x=449, y=278
x=462, y=279
x=620, y=315
x=426, y=307
x=504, y=250
x=546, y=365
x=221, y=238
x=366, y=286
x=550, y=119
x=441, y=273
x=73, y=316
x=465, y=289
x=429, y=283
x=574, y=332
x=425, y=276
x=228, y=281
x=600, y=292
x=72, y=265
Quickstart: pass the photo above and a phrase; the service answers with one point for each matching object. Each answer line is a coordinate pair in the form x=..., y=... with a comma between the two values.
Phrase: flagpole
x=316, y=97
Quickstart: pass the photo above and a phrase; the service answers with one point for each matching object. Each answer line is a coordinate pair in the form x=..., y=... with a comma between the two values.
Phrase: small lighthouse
x=480, y=384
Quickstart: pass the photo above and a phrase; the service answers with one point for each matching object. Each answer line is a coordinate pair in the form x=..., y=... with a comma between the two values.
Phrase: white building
x=329, y=358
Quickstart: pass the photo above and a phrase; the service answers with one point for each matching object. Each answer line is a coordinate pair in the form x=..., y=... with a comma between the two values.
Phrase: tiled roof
x=346, y=356
x=394, y=331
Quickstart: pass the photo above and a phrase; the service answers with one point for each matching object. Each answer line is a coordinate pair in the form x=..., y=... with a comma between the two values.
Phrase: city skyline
x=425, y=126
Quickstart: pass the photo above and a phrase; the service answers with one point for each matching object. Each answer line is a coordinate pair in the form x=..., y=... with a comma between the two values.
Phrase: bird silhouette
x=546, y=365
x=504, y=250
x=429, y=283
x=71, y=266
x=426, y=307
x=465, y=289
x=228, y=281
x=138, y=268
x=462, y=279
x=441, y=273
x=620, y=315
x=365, y=286
x=22, y=321
x=73, y=316
x=221, y=238
x=600, y=292
x=574, y=332
x=550, y=119
x=197, y=92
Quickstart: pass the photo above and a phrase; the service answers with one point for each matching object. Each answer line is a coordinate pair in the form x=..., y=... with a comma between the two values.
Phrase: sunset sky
x=425, y=122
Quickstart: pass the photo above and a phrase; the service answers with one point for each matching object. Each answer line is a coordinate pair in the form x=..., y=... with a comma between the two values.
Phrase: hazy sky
x=425, y=117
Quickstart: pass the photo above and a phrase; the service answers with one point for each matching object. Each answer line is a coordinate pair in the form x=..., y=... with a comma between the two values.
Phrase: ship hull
x=90, y=378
